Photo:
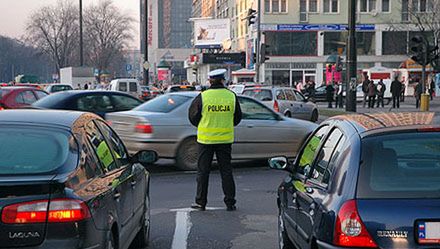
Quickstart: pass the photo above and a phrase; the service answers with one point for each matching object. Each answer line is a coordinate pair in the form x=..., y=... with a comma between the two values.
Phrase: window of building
x=334, y=42
x=405, y=9
x=308, y=6
x=331, y=6
x=292, y=43
x=275, y=6
x=386, y=6
x=394, y=43
x=367, y=5
x=313, y=6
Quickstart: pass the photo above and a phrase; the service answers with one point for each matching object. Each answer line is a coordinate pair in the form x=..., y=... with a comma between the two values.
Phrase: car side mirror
x=145, y=157
x=279, y=163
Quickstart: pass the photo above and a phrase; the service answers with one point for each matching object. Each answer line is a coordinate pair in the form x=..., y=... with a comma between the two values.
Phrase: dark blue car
x=98, y=102
x=364, y=181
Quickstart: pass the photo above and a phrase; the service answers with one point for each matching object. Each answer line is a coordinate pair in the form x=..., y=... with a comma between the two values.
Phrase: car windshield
x=238, y=89
x=61, y=88
x=50, y=101
x=401, y=165
x=34, y=150
x=163, y=104
x=260, y=94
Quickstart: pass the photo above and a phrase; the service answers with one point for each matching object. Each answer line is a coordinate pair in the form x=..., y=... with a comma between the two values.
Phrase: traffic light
x=252, y=14
x=195, y=71
x=264, y=53
x=418, y=50
x=339, y=64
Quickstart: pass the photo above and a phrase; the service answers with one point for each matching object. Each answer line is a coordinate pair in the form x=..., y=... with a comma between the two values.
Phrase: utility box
x=77, y=77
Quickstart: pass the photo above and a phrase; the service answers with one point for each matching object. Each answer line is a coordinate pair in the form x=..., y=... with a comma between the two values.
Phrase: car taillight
x=276, y=107
x=60, y=210
x=350, y=231
x=143, y=128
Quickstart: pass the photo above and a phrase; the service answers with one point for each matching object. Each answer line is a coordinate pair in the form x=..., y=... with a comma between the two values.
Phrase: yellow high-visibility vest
x=217, y=123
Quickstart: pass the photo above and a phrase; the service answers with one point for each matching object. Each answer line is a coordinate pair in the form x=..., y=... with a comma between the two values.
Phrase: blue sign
x=317, y=27
x=128, y=67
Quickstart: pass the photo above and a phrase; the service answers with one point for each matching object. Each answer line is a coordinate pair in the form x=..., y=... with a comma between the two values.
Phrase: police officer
x=215, y=112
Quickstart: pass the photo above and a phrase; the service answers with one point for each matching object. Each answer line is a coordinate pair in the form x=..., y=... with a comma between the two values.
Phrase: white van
x=130, y=86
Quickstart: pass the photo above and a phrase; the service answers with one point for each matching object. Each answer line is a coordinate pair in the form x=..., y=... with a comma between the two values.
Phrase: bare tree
x=425, y=15
x=107, y=32
x=54, y=30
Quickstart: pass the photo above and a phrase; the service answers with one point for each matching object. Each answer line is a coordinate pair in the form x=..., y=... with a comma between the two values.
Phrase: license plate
x=428, y=232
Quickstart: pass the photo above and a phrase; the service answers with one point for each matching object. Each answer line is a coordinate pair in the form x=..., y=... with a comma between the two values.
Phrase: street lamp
x=351, y=59
x=81, y=55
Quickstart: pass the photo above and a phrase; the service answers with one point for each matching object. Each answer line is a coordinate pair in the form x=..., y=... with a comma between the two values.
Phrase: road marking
x=183, y=226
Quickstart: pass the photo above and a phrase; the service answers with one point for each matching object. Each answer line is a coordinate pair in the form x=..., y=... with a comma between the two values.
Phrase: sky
x=15, y=14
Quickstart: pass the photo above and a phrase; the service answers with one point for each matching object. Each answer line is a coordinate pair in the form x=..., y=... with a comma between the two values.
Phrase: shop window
x=292, y=43
x=281, y=77
x=394, y=43
x=334, y=43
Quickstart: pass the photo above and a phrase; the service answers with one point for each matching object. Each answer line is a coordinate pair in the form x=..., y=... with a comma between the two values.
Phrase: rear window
x=51, y=101
x=133, y=87
x=404, y=165
x=35, y=150
x=163, y=104
x=260, y=94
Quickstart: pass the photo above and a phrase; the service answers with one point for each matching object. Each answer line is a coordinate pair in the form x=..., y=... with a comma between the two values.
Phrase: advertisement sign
x=249, y=54
x=224, y=58
x=315, y=27
x=163, y=74
x=332, y=75
x=211, y=33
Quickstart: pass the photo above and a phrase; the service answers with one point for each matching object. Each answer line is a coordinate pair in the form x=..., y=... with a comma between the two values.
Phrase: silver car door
x=305, y=108
x=281, y=99
x=294, y=105
x=259, y=135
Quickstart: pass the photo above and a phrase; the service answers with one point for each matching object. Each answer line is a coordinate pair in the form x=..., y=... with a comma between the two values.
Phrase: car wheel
x=288, y=114
x=111, y=241
x=283, y=240
x=314, y=117
x=187, y=154
x=143, y=236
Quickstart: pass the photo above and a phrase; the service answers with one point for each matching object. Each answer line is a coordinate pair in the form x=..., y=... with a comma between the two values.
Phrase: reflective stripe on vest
x=217, y=123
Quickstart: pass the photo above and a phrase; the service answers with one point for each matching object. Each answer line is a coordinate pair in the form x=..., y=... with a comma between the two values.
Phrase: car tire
x=315, y=116
x=187, y=154
x=283, y=240
x=143, y=236
x=288, y=114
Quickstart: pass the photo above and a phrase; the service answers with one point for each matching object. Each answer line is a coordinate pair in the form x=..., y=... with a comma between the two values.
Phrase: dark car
x=98, y=102
x=364, y=181
x=67, y=181
x=149, y=92
x=13, y=97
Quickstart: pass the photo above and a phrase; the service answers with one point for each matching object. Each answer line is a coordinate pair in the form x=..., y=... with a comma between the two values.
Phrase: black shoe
x=198, y=207
x=231, y=208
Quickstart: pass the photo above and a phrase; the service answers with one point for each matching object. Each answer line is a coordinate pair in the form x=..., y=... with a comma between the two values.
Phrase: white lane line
x=183, y=226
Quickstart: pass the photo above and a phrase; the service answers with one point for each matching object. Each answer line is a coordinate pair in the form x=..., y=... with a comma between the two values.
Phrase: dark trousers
x=417, y=102
x=206, y=155
x=339, y=101
x=396, y=101
x=371, y=100
x=380, y=101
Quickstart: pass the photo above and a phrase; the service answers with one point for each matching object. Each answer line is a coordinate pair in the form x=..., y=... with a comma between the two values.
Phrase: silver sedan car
x=162, y=125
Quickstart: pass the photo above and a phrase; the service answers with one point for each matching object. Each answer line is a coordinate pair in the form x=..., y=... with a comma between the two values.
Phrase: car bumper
x=325, y=245
x=164, y=149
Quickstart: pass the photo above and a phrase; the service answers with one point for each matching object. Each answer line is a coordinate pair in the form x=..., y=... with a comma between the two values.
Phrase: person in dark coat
x=432, y=89
x=418, y=93
x=380, y=90
x=396, y=89
x=330, y=92
x=365, y=84
x=371, y=94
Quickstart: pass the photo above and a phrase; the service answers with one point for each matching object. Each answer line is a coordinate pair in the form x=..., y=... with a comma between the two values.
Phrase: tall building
x=169, y=35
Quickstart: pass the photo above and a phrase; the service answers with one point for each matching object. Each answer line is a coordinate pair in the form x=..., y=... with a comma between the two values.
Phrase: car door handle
x=294, y=198
x=133, y=183
x=250, y=126
x=312, y=209
x=117, y=195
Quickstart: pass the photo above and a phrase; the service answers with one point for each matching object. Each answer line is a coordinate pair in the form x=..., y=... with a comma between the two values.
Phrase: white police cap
x=216, y=74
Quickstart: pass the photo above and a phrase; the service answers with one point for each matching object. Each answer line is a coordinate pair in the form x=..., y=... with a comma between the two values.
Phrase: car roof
x=43, y=117
x=269, y=88
x=18, y=87
x=86, y=92
x=371, y=123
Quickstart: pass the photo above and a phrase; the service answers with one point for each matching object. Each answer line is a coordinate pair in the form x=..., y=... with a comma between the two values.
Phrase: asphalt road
x=175, y=225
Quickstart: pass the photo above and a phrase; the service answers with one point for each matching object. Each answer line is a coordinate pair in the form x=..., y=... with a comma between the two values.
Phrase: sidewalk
x=408, y=106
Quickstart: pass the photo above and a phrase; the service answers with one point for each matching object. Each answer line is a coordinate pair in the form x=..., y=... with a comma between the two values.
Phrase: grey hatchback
x=285, y=100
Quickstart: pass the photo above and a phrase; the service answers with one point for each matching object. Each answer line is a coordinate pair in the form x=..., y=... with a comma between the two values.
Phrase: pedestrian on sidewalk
x=330, y=92
x=371, y=94
x=365, y=84
x=396, y=90
x=339, y=97
x=380, y=90
x=215, y=112
x=432, y=88
x=418, y=93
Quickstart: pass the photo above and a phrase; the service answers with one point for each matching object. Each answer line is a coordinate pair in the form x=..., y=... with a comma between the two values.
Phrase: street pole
x=350, y=105
x=258, y=42
x=81, y=53
x=146, y=70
